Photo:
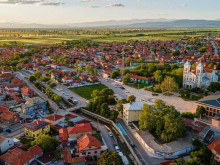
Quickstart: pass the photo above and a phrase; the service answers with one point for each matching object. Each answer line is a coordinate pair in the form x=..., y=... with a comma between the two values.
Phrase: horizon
x=85, y=11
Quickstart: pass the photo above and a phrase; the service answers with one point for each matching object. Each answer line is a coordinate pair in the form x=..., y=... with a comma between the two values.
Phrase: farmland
x=37, y=36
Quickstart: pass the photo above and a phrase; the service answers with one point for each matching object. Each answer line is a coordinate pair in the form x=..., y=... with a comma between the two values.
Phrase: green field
x=100, y=35
x=86, y=91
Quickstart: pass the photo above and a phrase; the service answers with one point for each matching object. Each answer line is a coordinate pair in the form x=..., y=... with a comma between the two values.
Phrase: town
x=85, y=102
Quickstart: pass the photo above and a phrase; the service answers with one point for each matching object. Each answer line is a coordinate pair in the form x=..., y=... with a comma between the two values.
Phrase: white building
x=131, y=111
x=5, y=144
x=199, y=77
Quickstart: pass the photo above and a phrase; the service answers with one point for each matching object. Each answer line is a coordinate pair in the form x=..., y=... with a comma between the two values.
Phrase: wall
x=118, y=130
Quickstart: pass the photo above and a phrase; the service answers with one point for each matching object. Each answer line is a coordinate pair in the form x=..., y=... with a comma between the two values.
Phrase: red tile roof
x=87, y=141
x=35, y=150
x=67, y=157
x=215, y=145
x=63, y=134
x=80, y=128
x=34, y=125
x=140, y=77
x=17, y=156
x=54, y=117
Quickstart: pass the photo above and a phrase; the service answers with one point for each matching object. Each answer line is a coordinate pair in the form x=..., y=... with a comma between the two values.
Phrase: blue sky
x=76, y=11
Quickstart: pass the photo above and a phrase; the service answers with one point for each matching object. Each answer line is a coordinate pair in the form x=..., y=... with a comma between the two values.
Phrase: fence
x=116, y=128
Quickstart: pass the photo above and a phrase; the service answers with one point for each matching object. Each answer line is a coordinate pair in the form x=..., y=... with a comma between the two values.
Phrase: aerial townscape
x=91, y=82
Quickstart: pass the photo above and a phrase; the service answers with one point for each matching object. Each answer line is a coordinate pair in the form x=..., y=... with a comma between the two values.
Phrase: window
x=89, y=152
x=95, y=152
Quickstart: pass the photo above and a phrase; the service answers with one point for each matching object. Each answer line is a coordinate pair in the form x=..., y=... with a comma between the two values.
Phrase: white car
x=126, y=91
x=117, y=149
x=110, y=134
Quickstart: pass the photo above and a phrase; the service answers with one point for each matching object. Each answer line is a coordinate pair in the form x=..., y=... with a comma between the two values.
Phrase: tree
x=32, y=78
x=57, y=98
x=105, y=111
x=165, y=121
x=176, y=53
x=200, y=111
x=120, y=105
x=126, y=78
x=110, y=158
x=180, y=161
x=115, y=74
x=47, y=143
x=200, y=157
x=214, y=86
x=197, y=143
x=127, y=61
x=158, y=76
x=131, y=98
x=169, y=85
x=37, y=74
x=188, y=115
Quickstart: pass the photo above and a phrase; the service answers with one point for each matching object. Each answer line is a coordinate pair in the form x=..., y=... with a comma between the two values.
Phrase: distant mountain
x=135, y=23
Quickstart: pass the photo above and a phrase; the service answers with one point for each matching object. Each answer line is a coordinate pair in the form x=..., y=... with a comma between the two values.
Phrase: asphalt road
x=142, y=154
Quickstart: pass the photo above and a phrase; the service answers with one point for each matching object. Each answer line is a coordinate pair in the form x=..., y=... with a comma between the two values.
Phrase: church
x=199, y=77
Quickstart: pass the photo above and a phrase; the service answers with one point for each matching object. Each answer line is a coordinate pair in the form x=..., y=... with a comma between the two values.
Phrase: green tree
x=32, y=78
x=200, y=157
x=37, y=74
x=47, y=143
x=126, y=78
x=200, y=111
x=57, y=98
x=180, y=161
x=105, y=111
x=127, y=61
x=115, y=74
x=120, y=105
x=158, y=76
x=176, y=53
x=131, y=98
x=169, y=85
x=214, y=86
x=110, y=158
x=188, y=115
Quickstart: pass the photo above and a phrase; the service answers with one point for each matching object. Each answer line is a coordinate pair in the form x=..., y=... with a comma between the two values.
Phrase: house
x=106, y=74
x=5, y=144
x=36, y=151
x=199, y=129
x=89, y=147
x=201, y=77
x=17, y=156
x=2, y=96
x=79, y=130
x=141, y=80
x=6, y=77
x=8, y=118
x=46, y=159
x=33, y=105
x=67, y=80
x=83, y=77
x=93, y=79
x=131, y=111
x=27, y=92
x=63, y=134
x=212, y=107
x=36, y=128
x=215, y=148
x=54, y=119
x=70, y=159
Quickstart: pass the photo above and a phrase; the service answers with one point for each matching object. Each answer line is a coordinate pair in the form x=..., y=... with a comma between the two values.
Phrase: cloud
x=116, y=5
x=93, y=6
x=88, y=0
x=183, y=5
x=31, y=2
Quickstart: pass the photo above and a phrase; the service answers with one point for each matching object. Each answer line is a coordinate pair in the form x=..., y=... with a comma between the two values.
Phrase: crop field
x=29, y=36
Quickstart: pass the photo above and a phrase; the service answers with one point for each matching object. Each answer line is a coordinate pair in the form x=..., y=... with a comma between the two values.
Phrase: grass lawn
x=86, y=91
x=137, y=86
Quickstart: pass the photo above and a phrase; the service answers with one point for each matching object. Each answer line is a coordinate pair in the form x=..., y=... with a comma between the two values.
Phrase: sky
x=78, y=11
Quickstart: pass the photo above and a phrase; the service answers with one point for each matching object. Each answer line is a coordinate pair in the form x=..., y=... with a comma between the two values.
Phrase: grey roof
x=138, y=105
x=215, y=102
x=187, y=63
x=205, y=79
x=34, y=100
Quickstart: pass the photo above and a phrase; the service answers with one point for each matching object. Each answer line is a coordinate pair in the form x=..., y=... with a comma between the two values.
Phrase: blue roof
x=215, y=103
x=76, y=119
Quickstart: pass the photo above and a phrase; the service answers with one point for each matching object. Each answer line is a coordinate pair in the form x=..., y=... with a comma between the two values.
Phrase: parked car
x=110, y=134
x=117, y=149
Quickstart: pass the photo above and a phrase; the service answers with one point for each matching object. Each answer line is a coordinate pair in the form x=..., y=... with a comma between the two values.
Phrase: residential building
x=36, y=128
x=131, y=111
x=27, y=92
x=141, y=80
x=79, y=129
x=215, y=148
x=18, y=156
x=5, y=144
x=70, y=159
x=199, y=77
x=54, y=119
x=89, y=146
x=33, y=105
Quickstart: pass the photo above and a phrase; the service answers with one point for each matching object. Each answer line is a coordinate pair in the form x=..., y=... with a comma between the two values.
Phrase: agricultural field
x=101, y=35
x=86, y=91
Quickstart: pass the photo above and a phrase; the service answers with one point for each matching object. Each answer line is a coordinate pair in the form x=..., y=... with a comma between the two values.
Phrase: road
x=141, y=152
x=215, y=48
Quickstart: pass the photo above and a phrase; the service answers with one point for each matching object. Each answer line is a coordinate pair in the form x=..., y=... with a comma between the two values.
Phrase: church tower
x=187, y=67
x=199, y=74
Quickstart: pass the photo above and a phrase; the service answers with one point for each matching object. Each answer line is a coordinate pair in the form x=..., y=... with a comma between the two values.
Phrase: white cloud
x=115, y=5
x=183, y=5
x=31, y=2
